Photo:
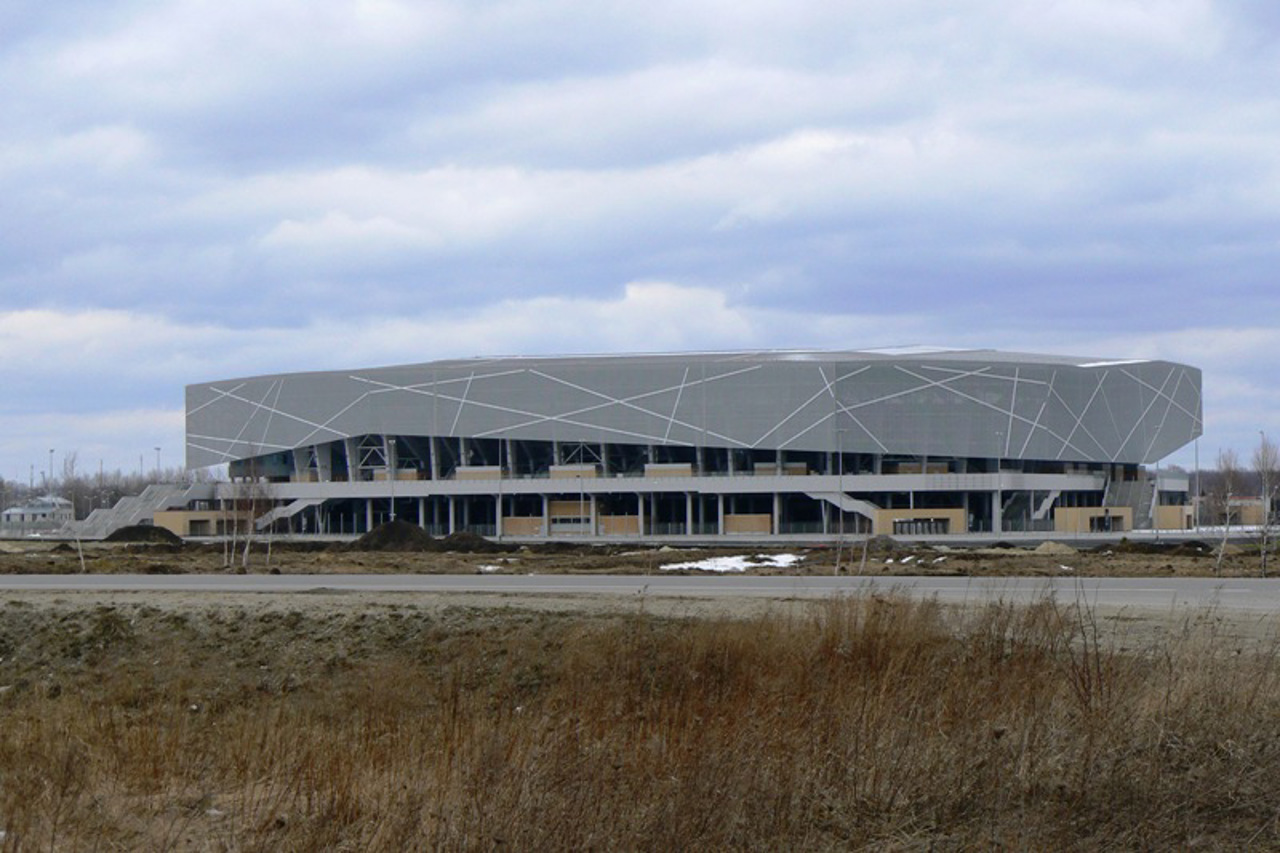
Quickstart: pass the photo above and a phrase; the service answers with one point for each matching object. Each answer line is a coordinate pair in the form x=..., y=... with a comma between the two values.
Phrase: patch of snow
x=938, y=559
x=1063, y=568
x=737, y=563
x=489, y=569
x=908, y=559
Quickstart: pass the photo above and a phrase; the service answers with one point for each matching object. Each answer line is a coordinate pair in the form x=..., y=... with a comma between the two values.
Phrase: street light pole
x=49, y=483
x=997, y=502
x=391, y=474
x=840, y=508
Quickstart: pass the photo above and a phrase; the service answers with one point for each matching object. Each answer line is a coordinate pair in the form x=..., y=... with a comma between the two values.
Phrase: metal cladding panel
x=972, y=404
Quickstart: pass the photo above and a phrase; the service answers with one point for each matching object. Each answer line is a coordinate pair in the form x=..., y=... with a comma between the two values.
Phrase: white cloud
x=69, y=349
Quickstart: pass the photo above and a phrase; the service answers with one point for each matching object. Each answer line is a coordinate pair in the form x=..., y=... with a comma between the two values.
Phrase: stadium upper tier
x=957, y=403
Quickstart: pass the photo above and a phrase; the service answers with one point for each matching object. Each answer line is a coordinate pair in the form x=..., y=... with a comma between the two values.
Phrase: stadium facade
x=706, y=445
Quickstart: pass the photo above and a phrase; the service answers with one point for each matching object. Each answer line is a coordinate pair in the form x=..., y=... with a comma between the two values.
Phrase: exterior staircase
x=135, y=509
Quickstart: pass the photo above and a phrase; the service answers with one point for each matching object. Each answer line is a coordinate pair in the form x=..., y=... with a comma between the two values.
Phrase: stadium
x=706, y=445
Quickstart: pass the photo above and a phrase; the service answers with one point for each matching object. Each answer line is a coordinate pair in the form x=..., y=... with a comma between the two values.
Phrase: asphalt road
x=1248, y=595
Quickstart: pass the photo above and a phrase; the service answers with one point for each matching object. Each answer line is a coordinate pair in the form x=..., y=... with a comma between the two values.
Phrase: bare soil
x=391, y=554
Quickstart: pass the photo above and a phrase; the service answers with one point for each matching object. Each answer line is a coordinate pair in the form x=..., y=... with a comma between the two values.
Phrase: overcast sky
x=199, y=189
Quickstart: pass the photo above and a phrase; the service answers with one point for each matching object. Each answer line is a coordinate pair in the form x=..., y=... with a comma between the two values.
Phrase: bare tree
x=1266, y=466
x=1223, y=493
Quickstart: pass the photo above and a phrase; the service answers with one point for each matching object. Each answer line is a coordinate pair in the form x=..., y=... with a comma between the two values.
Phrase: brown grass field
x=859, y=723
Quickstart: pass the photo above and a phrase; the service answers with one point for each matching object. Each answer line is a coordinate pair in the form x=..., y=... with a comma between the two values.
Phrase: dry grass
x=865, y=722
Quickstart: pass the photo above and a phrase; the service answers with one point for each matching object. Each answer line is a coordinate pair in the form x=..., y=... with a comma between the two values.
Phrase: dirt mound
x=882, y=545
x=145, y=533
x=1189, y=548
x=1055, y=548
x=395, y=536
x=471, y=543
x=1193, y=548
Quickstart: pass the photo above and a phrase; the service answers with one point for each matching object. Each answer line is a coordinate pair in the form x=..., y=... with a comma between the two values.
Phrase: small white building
x=44, y=514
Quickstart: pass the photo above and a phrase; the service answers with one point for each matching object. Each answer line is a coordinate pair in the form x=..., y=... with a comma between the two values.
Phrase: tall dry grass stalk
x=865, y=722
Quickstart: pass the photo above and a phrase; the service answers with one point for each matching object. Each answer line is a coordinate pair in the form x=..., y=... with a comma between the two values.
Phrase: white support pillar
x=389, y=454
x=453, y=513
x=422, y=513
x=433, y=458
x=776, y=525
x=546, y=519
x=324, y=461
x=352, y=448
x=368, y=514
x=595, y=528
x=688, y=513
x=497, y=517
x=642, y=512
x=720, y=515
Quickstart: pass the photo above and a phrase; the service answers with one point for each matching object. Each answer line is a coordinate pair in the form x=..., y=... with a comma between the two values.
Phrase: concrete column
x=422, y=513
x=720, y=515
x=604, y=459
x=546, y=519
x=640, y=503
x=324, y=461
x=497, y=516
x=594, y=527
x=453, y=513
x=368, y=514
x=777, y=510
x=433, y=458
x=352, y=447
x=389, y=453
x=700, y=467
x=688, y=514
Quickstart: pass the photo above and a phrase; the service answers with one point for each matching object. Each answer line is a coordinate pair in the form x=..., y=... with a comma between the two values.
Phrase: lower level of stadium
x=538, y=489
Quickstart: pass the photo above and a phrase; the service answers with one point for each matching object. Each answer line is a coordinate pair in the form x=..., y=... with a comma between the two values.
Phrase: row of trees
x=1232, y=481
x=88, y=491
